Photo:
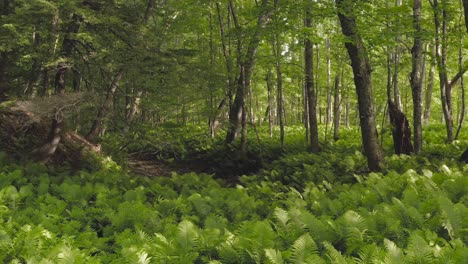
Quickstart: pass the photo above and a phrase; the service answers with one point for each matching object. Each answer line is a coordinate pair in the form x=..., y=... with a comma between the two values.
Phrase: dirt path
x=157, y=168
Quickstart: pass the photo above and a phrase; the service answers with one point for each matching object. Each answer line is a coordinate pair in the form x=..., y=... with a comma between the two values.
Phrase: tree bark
x=401, y=131
x=416, y=76
x=336, y=109
x=465, y=8
x=362, y=80
x=3, y=77
x=430, y=87
x=309, y=83
x=279, y=85
x=67, y=50
x=246, y=65
x=104, y=109
x=270, y=104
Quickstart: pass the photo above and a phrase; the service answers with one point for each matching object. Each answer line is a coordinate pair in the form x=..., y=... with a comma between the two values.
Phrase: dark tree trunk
x=336, y=109
x=416, y=76
x=67, y=51
x=362, y=80
x=104, y=109
x=309, y=84
x=246, y=65
x=3, y=77
x=149, y=9
x=401, y=131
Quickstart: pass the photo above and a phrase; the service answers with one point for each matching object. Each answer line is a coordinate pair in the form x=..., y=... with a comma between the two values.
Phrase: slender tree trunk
x=416, y=76
x=465, y=8
x=462, y=88
x=430, y=87
x=336, y=109
x=135, y=106
x=329, y=86
x=306, y=113
x=309, y=82
x=362, y=79
x=215, y=124
x=3, y=77
x=270, y=104
x=396, y=65
x=279, y=84
x=104, y=109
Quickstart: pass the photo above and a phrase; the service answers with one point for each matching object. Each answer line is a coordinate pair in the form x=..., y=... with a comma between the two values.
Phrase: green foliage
x=303, y=208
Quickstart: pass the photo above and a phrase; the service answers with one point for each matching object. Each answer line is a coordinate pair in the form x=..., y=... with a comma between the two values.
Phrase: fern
x=418, y=251
x=304, y=250
x=334, y=255
x=394, y=254
x=273, y=256
x=452, y=218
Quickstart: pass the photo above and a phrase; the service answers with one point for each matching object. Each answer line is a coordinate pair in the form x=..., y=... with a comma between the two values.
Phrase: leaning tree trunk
x=104, y=109
x=309, y=84
x=416, y=76
x=46, y=151
x=362, y=80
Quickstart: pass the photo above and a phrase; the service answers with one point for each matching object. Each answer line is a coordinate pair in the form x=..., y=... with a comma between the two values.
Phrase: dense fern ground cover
x=302, y=208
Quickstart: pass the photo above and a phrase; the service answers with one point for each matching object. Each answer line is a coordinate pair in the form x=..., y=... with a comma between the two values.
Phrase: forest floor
x=158, y=168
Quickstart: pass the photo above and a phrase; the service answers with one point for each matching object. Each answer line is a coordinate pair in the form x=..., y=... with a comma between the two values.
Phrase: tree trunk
x=462, y=88
x=104, y=109
x=309, y=83
x=396, y=65
x=135, y=106
x=336, y=109
x=3, y=77
x=401, y=131
x=67, y=50
x=149, y=9
x=362, y=79
x=430, y=87
x=329, y=86
x=270, y=104
x=246, y=65
x=279, y=84
x=465, y=8
x=214, y=126
x=416, y=76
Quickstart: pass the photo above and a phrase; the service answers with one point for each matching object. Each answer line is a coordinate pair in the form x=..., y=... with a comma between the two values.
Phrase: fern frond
x=187, y=236
x=303, y=247
x=418, y=251
x=333, y=254
x=273, y=256
x=281, y=216
x=394, y=254
x=453, y=221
